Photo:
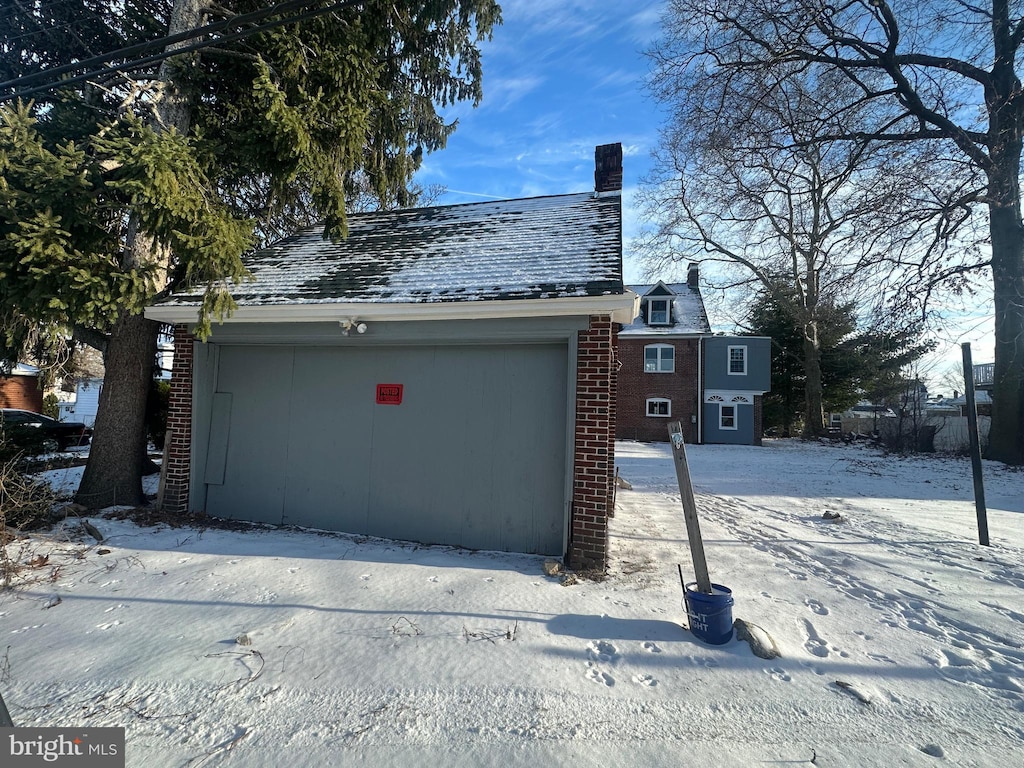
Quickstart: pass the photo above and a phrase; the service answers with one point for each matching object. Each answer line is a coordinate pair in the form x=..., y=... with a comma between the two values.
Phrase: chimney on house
x=608, y=168
x=693, y=275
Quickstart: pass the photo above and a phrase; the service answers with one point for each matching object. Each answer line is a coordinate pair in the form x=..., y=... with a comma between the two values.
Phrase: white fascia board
x=653, y=334
x=623, y=309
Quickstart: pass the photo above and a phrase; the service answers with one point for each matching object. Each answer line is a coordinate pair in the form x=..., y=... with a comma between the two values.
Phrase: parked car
x=29, y=430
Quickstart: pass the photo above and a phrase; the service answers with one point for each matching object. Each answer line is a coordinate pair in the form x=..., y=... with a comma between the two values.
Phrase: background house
x=19, y=388
x=672, y=368
x=442, y=375
x=86, y=401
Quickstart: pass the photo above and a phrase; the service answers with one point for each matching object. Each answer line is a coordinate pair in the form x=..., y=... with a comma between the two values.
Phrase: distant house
x=19, y=388
x=442, y=375
x=672, y=368
x=86, y=403
x=984, y=375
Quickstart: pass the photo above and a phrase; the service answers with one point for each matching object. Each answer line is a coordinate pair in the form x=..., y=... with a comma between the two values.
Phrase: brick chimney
x=693, y=275
x=608, y=168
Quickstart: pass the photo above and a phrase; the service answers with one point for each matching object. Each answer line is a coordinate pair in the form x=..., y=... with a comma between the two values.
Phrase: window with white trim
x=659, y=406
x=726, y=416
x=737, y=361
x=658, y=312
x=659, y=358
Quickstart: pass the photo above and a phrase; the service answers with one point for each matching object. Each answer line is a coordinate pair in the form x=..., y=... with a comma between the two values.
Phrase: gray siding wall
x=742, y=435
x=716, y=363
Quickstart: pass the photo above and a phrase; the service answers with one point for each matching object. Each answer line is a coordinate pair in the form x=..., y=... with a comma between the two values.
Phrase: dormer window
x=658, y=312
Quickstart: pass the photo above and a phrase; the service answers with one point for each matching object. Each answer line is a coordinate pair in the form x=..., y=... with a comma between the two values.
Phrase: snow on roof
x=688, y=315
x=20, y=369
x=532, y=248
x=981, y=397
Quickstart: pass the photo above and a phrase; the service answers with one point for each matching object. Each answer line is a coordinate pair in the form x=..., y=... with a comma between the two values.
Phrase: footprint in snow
x=645, y=680
x=432, y=579
x=650, y=647
x=813, y=667
x=488, y=579
x=703, y=661
x=365, y=577
x=601, y=650
x=817, y=646
x=778, y=673
x=817, y=607
x=595, y=674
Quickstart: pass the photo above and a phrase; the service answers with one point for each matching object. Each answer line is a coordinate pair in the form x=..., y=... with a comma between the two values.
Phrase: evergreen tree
x=855, y=363
x=140, y=181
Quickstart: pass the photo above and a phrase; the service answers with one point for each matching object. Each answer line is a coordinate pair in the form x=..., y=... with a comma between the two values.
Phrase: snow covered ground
x=902, y=639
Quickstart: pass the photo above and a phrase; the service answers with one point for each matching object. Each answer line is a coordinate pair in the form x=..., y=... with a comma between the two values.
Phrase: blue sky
x=561, y=77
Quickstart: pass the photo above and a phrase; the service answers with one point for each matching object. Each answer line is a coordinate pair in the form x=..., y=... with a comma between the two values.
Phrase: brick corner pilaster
x=594, y=454
x=176, y=475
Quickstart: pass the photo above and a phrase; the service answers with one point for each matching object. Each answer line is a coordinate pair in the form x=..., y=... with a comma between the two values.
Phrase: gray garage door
x=474, y=455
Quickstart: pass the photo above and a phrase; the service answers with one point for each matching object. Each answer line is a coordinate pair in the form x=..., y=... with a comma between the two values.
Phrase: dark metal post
x=972, y=429
x=700, y=565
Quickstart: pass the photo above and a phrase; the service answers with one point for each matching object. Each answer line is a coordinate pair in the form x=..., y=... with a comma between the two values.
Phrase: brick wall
x=21, y=392
x=634, y=387
x=594, y=460
x=179, y=425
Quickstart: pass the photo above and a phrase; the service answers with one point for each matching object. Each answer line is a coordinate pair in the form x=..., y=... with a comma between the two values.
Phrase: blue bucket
x=710, y=615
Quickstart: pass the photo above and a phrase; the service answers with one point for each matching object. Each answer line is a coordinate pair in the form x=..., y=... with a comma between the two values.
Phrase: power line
x=159, y=43
x=165, y=41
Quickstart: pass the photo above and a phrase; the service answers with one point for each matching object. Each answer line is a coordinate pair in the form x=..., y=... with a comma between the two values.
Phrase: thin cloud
x=504, y=92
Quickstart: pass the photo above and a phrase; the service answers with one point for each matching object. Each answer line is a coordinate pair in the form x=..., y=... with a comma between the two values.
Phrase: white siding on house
x=86, y=403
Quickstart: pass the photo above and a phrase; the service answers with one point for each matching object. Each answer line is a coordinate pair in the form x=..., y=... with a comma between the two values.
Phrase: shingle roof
x=533, y=248
x=688, y=315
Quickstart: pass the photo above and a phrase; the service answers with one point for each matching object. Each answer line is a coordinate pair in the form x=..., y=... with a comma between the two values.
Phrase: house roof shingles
x=533, y=248
x=688, y=314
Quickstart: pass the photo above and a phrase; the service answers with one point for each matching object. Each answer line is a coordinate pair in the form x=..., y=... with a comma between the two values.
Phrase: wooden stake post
x=700, y=565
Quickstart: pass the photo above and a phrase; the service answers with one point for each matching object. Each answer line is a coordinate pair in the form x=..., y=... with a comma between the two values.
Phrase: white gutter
x=622, y=308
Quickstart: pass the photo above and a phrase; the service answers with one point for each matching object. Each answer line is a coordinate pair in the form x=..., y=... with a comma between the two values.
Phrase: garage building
x=443, y=375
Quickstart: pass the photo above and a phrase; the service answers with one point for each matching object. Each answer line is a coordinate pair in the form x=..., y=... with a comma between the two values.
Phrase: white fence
x=950, y=431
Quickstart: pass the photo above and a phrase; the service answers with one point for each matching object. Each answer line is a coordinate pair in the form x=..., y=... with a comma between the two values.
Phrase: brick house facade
x=635, y=388
x=672, y=368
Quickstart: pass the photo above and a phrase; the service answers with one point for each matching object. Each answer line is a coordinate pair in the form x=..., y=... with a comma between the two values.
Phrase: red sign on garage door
x=389, y=394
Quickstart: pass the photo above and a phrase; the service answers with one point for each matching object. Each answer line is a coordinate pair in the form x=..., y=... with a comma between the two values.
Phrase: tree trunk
x=1006, y=125
x=114, y=472
x=1006, y=438
x=814, y=414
